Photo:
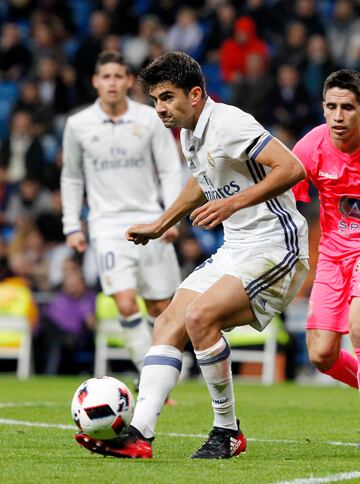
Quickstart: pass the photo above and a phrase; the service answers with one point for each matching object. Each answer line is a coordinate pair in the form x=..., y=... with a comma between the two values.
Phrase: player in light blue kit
x=242, y=178
x=119, y=151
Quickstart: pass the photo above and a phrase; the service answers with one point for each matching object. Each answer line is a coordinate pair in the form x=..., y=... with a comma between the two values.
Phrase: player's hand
x=211, y=214
x=77, y=241
x=170, y=235
x=142, y=233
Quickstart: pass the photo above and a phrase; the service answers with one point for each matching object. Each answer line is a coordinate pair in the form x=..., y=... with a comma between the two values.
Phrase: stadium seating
x=15, y=343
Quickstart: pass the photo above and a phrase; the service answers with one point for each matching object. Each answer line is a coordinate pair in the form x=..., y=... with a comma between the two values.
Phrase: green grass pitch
x=296, y=434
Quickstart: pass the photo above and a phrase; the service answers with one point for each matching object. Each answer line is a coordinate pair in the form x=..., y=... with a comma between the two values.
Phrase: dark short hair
x=344, y=79
x=110, y=56
x=176, y=67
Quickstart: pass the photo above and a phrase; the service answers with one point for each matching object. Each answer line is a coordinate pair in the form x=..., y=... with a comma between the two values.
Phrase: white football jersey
x=221, y=153
x=126, y=167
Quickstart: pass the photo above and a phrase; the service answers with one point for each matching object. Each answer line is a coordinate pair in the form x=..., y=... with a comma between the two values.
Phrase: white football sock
x=159, y=375
x=215, y=365
x=137, y=338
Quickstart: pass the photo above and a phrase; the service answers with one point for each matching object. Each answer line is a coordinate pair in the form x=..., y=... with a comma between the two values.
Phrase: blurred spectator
x=221, y=25
x=340, y=30
x=136, y=48
x=260, y=12
x=16, y=298
x=121, y=15
x=21, y=152
x=21, y=10
x=50, y=222
x=234, y=51
x=15, y=58
x=29, y=101
x=289, y=104
x=40, y=262
x=86, y=55
x=318, y=66
x=306, y=13
x=44, y=42
x=250, y=92
x=57, y=87
x=186, y=34
x=191, y=254
x=26, y=204
x=111, y=42
x=293, y=50
x=352, y=59
x=29, y=260
x=166, y=10
x=5, y=191
x=59, y=14
x=68, y=322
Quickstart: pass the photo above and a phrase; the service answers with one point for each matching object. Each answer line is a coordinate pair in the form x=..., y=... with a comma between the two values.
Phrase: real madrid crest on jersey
x=211, y=161
x=136, y=130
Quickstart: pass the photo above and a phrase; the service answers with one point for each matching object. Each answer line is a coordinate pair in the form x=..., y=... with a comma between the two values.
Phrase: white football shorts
x=271, y=277
x=152, y=269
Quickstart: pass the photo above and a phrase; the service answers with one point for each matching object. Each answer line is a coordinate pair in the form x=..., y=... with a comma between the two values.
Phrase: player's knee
x=323, y=358
x=355, y=334
x=169, y=330
x=127, y=307
x=197, y=319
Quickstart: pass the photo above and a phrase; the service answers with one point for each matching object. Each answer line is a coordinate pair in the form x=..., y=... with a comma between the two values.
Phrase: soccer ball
x=102, y=407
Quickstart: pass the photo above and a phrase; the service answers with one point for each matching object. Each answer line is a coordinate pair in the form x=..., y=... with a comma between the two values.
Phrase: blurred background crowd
x=267, y=57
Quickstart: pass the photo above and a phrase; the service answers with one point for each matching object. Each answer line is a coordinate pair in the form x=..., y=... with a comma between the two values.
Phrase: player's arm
x=302, y=150
x=191, y=197
x=286, y=171
x=168, y=168
x=72, y=190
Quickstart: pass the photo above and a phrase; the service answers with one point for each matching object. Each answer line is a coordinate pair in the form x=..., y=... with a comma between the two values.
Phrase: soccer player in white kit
x=121, y=154
x=242, y=178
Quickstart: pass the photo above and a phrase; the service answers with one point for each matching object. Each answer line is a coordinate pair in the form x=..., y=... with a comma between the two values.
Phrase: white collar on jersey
x=127, y=117
x=203, y=118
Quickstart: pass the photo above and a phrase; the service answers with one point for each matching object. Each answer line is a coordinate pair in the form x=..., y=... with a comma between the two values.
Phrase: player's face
x=174, y=107
x=112, y=83
x=342, y=114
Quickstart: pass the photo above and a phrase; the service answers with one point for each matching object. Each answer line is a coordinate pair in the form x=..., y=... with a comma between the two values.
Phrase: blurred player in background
x=121, y=154
x=241, y=177
x=330, y=154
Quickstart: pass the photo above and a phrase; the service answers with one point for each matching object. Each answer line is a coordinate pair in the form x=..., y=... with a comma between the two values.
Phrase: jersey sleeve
x=301, y=189
x=72, y=180
x=242, y=136
x=167, y=161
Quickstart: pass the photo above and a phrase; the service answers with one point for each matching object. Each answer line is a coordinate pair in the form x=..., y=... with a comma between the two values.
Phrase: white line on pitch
x=27, y=423
x=27, y=404
x=344, y=476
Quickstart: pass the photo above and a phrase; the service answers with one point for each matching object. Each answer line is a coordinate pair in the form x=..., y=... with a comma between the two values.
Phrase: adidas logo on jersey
x=262, y=302
x=95, y=139
x=234, y=445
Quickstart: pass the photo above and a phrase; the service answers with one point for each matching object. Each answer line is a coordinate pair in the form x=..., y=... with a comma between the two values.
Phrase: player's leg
x=226, y=303
x=135, y=330
x=118, y=263
x=160, y=373
x=328, y=321
x=354, y=313
x=162, y=364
